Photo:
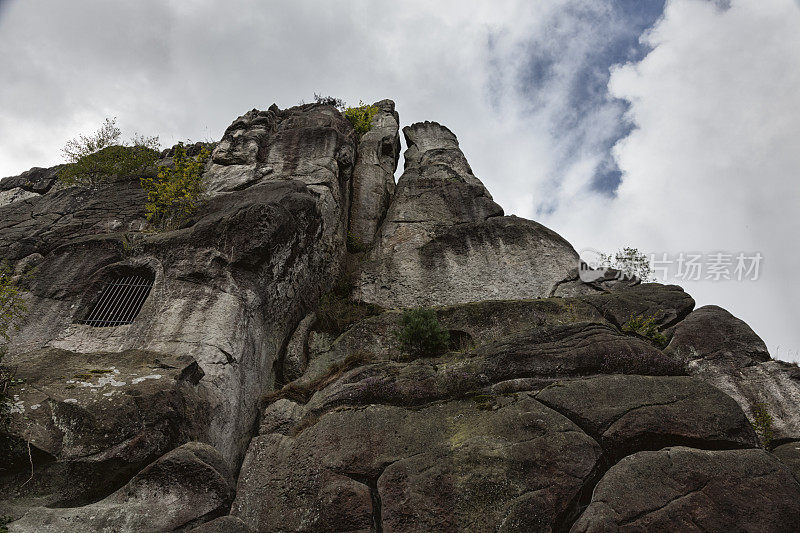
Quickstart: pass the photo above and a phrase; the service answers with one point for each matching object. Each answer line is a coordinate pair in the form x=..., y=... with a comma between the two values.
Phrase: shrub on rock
x=177, y=191
x=421, y=334
x=361, y=117
x=102, y=156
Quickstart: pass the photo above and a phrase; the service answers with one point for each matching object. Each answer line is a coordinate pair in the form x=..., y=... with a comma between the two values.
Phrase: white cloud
x=714, y=162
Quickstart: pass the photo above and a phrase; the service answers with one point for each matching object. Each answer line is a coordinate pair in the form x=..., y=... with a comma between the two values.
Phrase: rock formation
x=262, y=386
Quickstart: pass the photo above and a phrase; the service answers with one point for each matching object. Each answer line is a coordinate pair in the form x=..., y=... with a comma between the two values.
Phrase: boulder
x=711, y=332
x=36, y=180
x=449, y=466
x=524, y=361
x=665, y=304
x=90, y=421
x=789, y=454
x=185, y=486
x=469, y=325
x=683, y=489
x=626, y=414
x=724, y=351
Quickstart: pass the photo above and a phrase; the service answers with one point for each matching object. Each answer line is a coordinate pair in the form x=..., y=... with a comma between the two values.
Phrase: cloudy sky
x=673, y=127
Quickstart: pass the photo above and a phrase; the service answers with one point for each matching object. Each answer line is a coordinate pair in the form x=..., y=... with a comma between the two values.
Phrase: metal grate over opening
x=120, y=301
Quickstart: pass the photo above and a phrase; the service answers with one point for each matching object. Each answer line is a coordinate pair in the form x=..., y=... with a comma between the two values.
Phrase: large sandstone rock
x=93, y=420
x=634, y=413
x=445, y=241
x=373, y=174
x=184, y=486
x=358, y=448
x=683, y=489
x=444, y=467
x=727, y=353
x=469, y=325
x=543, y=388
x=789, y=454
x=229, y=288
x=711, y=332
x=523, y=361
x=664, y=304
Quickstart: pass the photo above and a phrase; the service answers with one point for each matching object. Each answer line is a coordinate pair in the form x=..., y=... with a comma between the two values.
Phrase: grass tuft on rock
x=645, y=326
x=336, y=312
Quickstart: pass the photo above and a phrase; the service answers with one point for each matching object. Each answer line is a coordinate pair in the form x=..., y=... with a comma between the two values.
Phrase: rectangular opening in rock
x=121, y=300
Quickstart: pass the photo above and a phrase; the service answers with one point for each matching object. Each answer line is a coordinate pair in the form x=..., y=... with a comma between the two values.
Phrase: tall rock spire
x=445, y=241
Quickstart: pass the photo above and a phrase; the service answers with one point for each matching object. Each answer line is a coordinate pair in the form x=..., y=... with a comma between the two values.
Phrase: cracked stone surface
x=444, y=467
x=185, y=485
x=229, y=288
x=542, y=414
x=633, y=413
x=684, y=489
x=723, y=350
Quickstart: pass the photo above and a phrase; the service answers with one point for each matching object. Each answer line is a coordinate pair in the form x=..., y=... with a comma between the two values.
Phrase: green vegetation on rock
x=336, y=312
x=361, y=117
x=177, y=191
x=421, y=334
x=354, y=244
x=646, y=327
x=631, y=262
x=762, y=424
x=102, y=156
x=338, y=103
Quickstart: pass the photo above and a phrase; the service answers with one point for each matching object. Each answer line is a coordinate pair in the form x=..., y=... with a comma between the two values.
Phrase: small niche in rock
x=460, y=341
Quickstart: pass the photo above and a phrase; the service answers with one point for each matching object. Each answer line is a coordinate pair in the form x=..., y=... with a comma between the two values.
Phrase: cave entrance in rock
x=120, y=301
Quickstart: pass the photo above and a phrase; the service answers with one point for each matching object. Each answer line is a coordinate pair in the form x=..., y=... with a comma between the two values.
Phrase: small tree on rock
x=421, y=334
x=361, y=117
x=177, y=191
x=631, y=262
x=102, y=156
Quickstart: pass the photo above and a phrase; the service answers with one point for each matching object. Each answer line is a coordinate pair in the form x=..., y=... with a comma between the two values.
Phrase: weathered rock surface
x=187, y=484
x=444, y=240
x=223, y=524
x=36, y=180
x=725, y=351
x=444, y=467
x=373, y=174
x=711, y=332
x=544, y=389
x=634, y=413
x=665, y=304
x=789, y=454
x=522, y=361
x=15, y=195
x=93, y=421
x=683, y=489
x=229, y=288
